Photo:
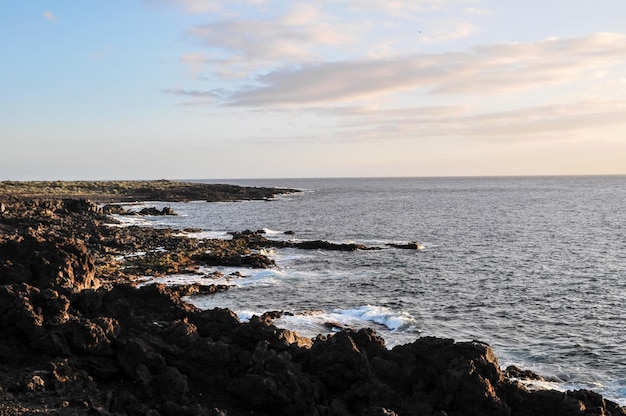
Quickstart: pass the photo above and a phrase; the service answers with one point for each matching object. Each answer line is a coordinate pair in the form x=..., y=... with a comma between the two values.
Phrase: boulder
x=63, y=265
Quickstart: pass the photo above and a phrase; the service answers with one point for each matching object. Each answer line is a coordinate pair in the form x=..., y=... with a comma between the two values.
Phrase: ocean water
x=534, y=266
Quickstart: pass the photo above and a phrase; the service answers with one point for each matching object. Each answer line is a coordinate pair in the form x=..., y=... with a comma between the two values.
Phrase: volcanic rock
x=76, y=343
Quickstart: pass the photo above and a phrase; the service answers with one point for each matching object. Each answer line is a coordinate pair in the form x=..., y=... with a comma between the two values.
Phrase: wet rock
x=113, y=209
x=156, y=212
x=521, y=374
x=254, y=260
x=109, y=347
x=325, y=245
x=413, y=245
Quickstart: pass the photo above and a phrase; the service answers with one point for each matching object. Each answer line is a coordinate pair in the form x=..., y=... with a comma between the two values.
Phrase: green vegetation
x=123, y=191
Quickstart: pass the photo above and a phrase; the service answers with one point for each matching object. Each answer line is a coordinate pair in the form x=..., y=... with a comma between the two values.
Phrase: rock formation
x=81, y=338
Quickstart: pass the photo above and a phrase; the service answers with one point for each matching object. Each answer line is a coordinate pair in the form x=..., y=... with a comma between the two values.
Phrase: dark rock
x=169, y=385
x=254, y=260
x=325, y=245
x=114, y=209
x=338, y=362
x=215, y=323
x=154, y=211
x=64, y=265
x=518, y=373
x=80, y=206
x=378, y=411
x=414, y=245
x=83, y=344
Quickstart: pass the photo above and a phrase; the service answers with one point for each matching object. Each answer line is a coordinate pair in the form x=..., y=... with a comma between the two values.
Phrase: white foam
x=245, y=315
x=393, y=320
x=206, y=235
x=228, y=276
x=129, y=220
x=131, y=255
x=395, y=327
x=182, y=279
x=268, y=231
x=269, y=252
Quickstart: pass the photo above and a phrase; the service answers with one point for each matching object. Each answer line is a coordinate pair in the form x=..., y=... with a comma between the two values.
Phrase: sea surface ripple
x=534, y=266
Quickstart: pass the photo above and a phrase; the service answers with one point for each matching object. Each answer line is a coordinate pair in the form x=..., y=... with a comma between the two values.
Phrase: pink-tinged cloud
x=494, y=69
x=50, y=16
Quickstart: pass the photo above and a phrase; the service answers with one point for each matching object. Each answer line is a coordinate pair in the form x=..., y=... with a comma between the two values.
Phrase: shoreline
x=130, y=191
x=84, y=339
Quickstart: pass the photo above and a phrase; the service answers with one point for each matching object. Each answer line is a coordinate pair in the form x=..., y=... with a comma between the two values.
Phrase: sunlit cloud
x=244, y=38
x=450, y=30
x=526, y=123
x=493, y=69
x=50, y=16
x=191, y=6
x=295, y=37
x=192, y=93
x=479, y=12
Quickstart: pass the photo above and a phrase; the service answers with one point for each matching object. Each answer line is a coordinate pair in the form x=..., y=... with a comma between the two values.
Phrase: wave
x=394, y=326
x=229, y=276
x=129, y=220
x=269, y=231
x=206, y=235
x=393, y=320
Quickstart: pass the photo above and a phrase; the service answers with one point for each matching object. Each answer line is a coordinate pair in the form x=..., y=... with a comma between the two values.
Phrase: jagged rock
x=80, y=206
x=413, y=245
x=516, y=372
x=338, y=362
x=155, y=211
x=113, y=209
x=253, y=260
x=325, y=245
x=64, y=265
x=104, y=347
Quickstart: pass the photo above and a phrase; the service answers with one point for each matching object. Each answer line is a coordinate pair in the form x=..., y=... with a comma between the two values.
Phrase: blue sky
x=147, y=89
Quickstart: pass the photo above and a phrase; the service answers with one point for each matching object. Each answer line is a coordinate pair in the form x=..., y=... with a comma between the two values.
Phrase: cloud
x=245, y=38
x=495, y=69
x=50, y=16
x=192, y=93
x=393, y=8
x=191, y=6
x=450, y=30
x=526, y=123
x=295, y=36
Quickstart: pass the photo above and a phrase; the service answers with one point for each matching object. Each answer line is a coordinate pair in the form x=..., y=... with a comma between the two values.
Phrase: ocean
x=533, y=266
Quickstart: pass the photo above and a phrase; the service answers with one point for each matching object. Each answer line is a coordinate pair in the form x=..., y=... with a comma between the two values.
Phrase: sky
x=204, y=89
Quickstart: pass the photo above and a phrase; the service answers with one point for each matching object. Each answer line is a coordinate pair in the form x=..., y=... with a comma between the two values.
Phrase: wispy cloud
x=191, y=6
x=389, y=7
x=493, y=69
x=192, y=93
x=244, y=38
x=241, y=46
x=50, y=16
x=463, y=121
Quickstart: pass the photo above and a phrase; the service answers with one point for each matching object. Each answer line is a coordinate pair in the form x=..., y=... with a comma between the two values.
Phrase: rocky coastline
x=81, y=336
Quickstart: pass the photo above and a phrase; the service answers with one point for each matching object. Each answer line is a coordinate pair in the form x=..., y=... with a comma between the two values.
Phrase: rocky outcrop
x=413, y=245
x=64, y=264
x=128, y=191
x=120, y=210
x=75, y=342
x=257, y=239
